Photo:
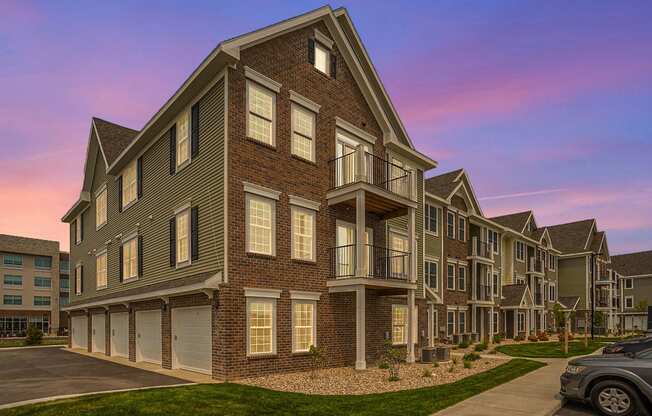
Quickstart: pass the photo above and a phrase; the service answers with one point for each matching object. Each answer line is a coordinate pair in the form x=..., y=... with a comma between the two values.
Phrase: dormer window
x=322, y=58
x=320, y=54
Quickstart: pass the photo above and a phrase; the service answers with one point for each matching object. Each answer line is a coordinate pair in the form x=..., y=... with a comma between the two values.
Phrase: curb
x=72, y=396
x=31, y=347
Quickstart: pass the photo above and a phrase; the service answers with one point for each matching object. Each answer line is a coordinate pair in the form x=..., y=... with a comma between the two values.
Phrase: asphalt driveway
x=28, y=374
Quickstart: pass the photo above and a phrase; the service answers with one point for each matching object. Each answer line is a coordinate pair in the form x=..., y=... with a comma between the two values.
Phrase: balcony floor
x=349, y=284
x=377, y=200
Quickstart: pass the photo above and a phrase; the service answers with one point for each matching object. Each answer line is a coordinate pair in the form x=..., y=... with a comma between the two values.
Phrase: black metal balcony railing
x=378, y=262
x=375, y=171
x=603, y=276
x=480, y=248
x=535, y=265
x=483, y=292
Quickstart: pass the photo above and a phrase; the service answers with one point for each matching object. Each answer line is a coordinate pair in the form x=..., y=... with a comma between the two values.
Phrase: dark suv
x=628, y=345
x=615, y=384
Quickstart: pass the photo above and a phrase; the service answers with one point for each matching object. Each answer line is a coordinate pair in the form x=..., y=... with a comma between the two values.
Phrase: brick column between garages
x=166, y=336
x=107, y=333
x=89, y=325
x=132, y=334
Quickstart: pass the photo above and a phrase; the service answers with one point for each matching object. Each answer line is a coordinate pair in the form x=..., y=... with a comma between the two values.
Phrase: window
x=183, y=237
x=450, y=277
x=13, y=260
x=12, y=280
x=261, y=326
x=129, y=184
x=520, y=280
x=41, y=301
x=304, y=322
x=552, y=259
x=64, y=266
x=261, y=216
x=100, y=208
x=399, y=324
x=100, y=270
x=493, y=240
x=78, y=279
x=629, y=283
x=64, y=284
x=303, y=132
x=303, y=234
x=462, y=322
x=450, y=224
x=450, y=322
x=461, y=234
x=261, y=117
x=322, y=58
x=64, y=300
x=496, y=323
x=520, y=251
x=43, y=262
x=130, y=259
x=78, y=229
x=183, y=139
x=629, y=301
x=432, y=219
x=12, y=300
x=496, y=284
x=521, y=322
x=552, y=294
x=42, y=282
x=461, y=278
x=399, y=265
x=432, y=274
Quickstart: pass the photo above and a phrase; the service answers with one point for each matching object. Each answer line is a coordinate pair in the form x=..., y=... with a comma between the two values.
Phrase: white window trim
x=629, y=286
x=99, y=254
x=259, y=84
x=323, y=39
x=625, y=303
x=518, y=322
x=131, y=165
x=78, y=278
x=294, y=106
x=100, y=191
x=437, y=222
x=304, y=203
x=405, y=326
x=327, y=51
x=516, y=243
x=552, y=289
x=461, y=219
x=128, y=239
x=314, y=322
x=183, y=211
x=427, y=260
x=262, y=80
x=459, y=319
x=6, y=286
x=449, y=311
x=302, y=295
x=248, y=197
x=459, y=267
x=179, y=166
x=252, y=188
x=264, y=299
x=313, y=215
x=454, y=275
x=453, y=236
x=78, y=229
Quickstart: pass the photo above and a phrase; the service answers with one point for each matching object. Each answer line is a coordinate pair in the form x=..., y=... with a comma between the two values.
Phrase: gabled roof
x=446, y=185
x=113, y=138
x=597, y=241
x=568, y=302
x=573, y=237
x=514, y=295
x=633, y=264
x=516, y=221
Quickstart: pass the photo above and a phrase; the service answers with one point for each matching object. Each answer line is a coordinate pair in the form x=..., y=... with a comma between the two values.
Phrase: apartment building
x=64, y=290
x=273, y=203
x=633, y=274
x=30, y=289
x=585, y=271
x=530, y=275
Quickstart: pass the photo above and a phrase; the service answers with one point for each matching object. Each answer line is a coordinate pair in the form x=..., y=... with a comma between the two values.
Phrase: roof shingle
x=633, y=264
x=513, y=295
x=514, y=221
x=442, y=185
x=571, y=237
x=113, y=138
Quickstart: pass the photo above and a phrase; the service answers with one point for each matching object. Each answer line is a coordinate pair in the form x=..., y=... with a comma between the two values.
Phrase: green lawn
x=8, y=343
x=549, y=349
x=235, y=399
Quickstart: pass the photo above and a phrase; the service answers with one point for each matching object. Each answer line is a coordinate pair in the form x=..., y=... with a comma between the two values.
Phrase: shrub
x=480, y=347
x=34, y=335
x=451, y=369
x=455, y=360
x=472, y=356
x=542, y=336
x=463, y=344
x=393, y=358
x=426, y=373
x=519, y=338
x=383, y=365
x=467, y=364
x=497, y=339
x=316, y=360
x=532, y=338
x=435, y=364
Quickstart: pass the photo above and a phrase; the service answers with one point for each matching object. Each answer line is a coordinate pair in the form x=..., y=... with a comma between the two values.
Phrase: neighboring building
x=530, y=275
x=274, y=202
x=585, y=271
x=634, y=274
x=64, y=290
x=29, y=293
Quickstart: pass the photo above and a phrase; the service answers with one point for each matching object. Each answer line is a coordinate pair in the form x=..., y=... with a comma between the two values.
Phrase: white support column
x=360, y=164
x=527, y=322
x=410, y=334
x=515, y=322
x=412, y=244
x=474, y=321
x=430, y=330
x=360, y=225
x=360, y=329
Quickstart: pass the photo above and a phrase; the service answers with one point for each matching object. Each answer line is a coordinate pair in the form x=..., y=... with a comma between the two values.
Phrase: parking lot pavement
x=576, y=409
x=46, y=372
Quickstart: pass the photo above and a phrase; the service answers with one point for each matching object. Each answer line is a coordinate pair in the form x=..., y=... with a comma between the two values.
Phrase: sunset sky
x=547, y=104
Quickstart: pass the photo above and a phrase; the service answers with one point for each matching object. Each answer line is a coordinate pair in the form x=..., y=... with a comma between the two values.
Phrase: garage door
x=79, y=336
x=148, y=336
x=120, y=334
x=98, y=333
x=192, y=339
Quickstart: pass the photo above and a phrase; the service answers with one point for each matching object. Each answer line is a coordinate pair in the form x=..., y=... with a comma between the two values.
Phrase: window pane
x=260, y=327
x=11, y=280
x=303, y=319
x=183, y=245
x=260, y=226
x=321, y=59
x=183, y=135
x=399, y=324
x=302, y=228
x=42, y=282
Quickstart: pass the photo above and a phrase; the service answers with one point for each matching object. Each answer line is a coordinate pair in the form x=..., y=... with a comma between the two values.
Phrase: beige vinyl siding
x=201, y=183
x=572, y=279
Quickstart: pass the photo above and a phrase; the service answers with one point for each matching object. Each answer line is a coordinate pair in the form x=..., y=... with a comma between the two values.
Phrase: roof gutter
x=79, y=206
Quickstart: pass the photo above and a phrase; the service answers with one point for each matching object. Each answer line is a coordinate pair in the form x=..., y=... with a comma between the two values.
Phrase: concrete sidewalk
x=534, y=394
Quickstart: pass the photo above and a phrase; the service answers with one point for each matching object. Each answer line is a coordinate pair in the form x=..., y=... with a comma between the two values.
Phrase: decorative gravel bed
x=346, y=380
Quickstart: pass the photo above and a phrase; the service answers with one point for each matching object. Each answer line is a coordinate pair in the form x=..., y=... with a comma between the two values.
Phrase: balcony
x=480, y=250
x=535, y=266
x=604, y=277
x=389, y=187
x=603, y=302
x=378, y=263
x=483, y=293
x=538, y=299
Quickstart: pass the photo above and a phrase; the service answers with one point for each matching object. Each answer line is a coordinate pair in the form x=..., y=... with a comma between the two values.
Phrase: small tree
x=598, y=318
x=34, y=335
x=392, y=357
x=642, y=306
x=316, y=359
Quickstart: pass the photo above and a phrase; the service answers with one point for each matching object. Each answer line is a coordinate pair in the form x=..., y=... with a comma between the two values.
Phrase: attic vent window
x=319, y=54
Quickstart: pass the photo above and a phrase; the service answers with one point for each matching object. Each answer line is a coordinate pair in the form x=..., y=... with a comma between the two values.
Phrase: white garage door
x=79, y=336
x=148, y=336
x=98, y=334
x=120, y=334
x=192, y=339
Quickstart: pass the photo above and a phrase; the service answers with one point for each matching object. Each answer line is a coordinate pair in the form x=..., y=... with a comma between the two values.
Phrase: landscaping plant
x=467, y=364
x=497, y=339
x=393, y=358
x=532, y=338
x=316, y=360
x=426, y=373
x=542, y=336
x=480, y=347
x=34, y=335
x=472, y=356
x=463, y=344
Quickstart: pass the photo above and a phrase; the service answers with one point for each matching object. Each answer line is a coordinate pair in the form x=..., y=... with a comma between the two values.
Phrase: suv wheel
x=614, y=398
